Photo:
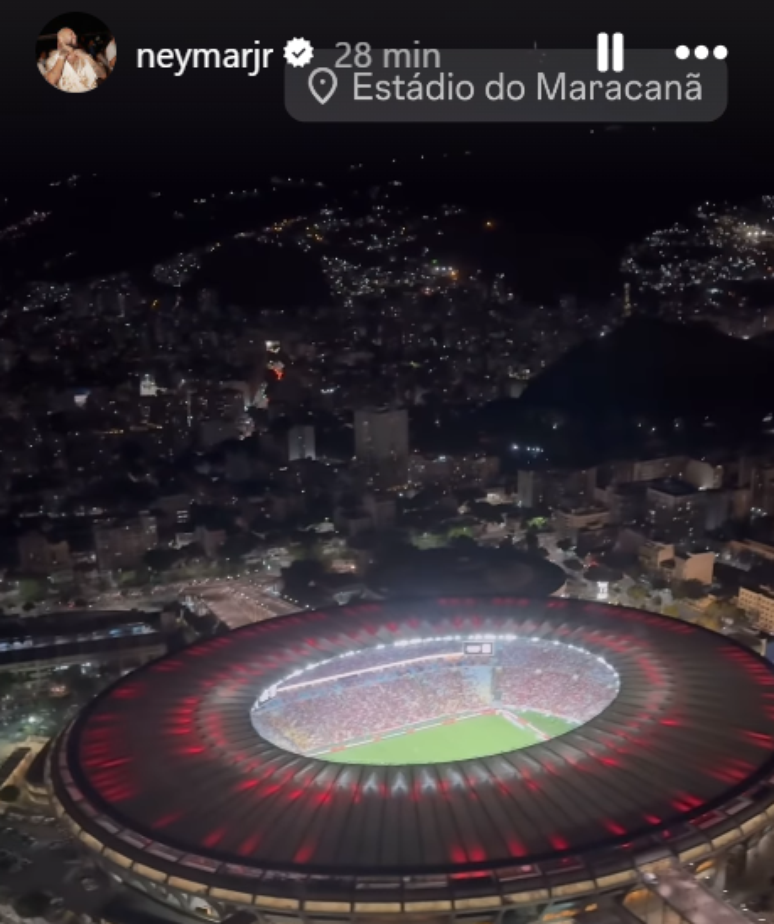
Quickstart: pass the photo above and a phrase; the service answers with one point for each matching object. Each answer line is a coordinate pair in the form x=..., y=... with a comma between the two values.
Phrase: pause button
x=603, y=52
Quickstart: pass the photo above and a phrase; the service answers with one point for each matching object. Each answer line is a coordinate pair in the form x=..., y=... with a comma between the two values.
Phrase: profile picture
x=76, y=52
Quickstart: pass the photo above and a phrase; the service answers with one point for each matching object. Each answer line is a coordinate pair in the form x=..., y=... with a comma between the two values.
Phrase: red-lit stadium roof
x=166, y=768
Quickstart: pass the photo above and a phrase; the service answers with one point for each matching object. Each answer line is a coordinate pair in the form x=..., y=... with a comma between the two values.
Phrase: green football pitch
x=476, y=737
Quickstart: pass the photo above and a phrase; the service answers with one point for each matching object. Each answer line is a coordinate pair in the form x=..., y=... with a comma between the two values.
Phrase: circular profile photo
x=75, y=52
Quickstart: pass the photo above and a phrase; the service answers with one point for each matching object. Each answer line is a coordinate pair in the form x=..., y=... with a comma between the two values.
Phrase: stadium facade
x=166, y=780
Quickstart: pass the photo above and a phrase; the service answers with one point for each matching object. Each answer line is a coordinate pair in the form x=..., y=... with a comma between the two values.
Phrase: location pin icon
x=322, y=84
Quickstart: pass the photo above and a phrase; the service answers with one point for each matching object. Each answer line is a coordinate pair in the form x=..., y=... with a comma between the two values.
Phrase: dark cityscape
x=386, y=510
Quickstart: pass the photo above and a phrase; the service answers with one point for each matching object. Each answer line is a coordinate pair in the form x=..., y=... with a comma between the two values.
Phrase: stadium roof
x=166, y=768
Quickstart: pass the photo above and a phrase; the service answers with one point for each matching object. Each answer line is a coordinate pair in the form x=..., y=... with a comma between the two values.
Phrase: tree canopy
x=301, y=576
x=32, y=904
x=690, y=590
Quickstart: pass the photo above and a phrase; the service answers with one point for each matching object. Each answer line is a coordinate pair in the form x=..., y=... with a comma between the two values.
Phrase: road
x=240, y=601
x=235, y=601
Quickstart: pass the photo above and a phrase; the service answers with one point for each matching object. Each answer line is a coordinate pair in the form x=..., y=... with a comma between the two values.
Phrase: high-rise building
x=627, y=300
x=122, y=544
x=382, y=444
x=301, y=443
x=762, y=480
x=43, y=554
x=148, y=386
x=675, y=509
x=758, y=603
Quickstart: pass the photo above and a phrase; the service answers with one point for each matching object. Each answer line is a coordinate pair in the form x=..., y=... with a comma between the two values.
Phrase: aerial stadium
x=491, y=759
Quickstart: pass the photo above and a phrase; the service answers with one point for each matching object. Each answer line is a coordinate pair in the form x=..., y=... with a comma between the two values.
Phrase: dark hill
x=96, y=227
x=258, y=276
x=659, y=370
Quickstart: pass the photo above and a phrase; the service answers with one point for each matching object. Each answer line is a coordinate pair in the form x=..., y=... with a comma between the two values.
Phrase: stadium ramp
x=694, y=902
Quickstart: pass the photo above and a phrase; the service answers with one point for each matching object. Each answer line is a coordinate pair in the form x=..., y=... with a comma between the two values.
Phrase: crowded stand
x=357, y=707
x=370, y=695
x=555, y=679
x=375, y=658
x=575, y=697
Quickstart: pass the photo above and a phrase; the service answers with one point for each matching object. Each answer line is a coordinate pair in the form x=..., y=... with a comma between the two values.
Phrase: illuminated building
x=166, y=781
x=675, y=509
x=758, y=602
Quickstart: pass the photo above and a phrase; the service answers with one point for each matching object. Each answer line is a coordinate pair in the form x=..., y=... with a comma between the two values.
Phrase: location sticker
x=322, y=84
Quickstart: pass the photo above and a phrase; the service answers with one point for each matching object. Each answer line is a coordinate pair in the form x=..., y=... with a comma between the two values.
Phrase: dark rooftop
x=673, y=486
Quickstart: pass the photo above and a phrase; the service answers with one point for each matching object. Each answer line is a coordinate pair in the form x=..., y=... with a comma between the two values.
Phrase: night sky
x=602, y=183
